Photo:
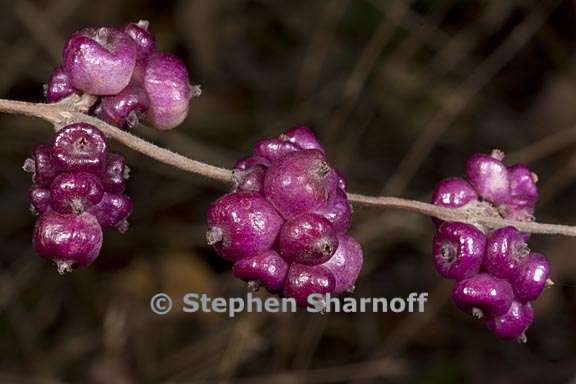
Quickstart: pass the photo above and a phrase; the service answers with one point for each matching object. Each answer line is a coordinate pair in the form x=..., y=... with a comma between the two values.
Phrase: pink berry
x=532, y=278
x=303, y=137
x=506, y=252
x=489, y=176
x=124, y=109
x=115, y=173
x=242, y=224
x=166, y=82
x=75, y=192
x=523, y=189
x=299, y=183
x=513, y=324
x=145, y=41
x=307, y=239
x=39, y=197
x=68, y=240
x=267, y=269
x=483, y=295
x=100, y=61
x=337, y=210
x=59, y=86
x=305, y=280
x=112, y=211
x=453, y=192
x=345, y=264
x=274, y=149
x=80, y=147
x=43, y=165
x=458, y=250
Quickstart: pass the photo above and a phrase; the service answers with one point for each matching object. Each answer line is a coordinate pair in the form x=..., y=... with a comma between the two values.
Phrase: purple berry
x=43, y=165
x=80, y=147
x=115, y=173
x=274, y=149
x=307, y=239
x=249, y=180
x=345, y=264
x=242, y=224
x=453, y=192
x=299, y=183
x=337, y=210
x=489, y=176
x=506, y=252
x=513, y=324
x=59, y=86
x=124, y=109
x=303, y=137
x=68, y=240
x=267, y=269
x=112, y=211
x=304, y=280
x=100, y=61
x=483, y=295
x=75, y=192
x=166, y=82
x=248, y=162
x=523, y=189
x=458, y=250
x=532, y=278
x=39, y=197
x=144, y=40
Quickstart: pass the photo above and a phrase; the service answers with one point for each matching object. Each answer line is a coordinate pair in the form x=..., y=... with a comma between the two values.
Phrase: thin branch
x=66, y=113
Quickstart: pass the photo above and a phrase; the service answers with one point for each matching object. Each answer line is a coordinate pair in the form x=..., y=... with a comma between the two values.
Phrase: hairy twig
x=71, y=111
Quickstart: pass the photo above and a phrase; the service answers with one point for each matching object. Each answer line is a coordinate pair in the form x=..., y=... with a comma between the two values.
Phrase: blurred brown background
x=401, y=93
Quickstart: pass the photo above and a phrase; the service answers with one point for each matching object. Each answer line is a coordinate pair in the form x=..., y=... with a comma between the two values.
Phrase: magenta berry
x=166, y=83
x=337, y=210
x=112, y=211
x=125, y=108
x=100, y=61
x=39, y=197
x=42, y=165
x=298, y=183
x=144, y=40
x=307, y=239
x=523, y=189
x=249, y=180
x=59, y=86
x=242, y=224
x=532, y=278
x=248, y=162
x=302, y=137
x=305, y=280
x=115, y=173
x=506, y=252
x=458, y=250
x=489, y=176
x=80, y=147
x=345, y=264
x=274, y=149
x=483, y=295
x=513, y=324
x=453, y=192
x=266, y=269
x=75, y=192
x=68, y=240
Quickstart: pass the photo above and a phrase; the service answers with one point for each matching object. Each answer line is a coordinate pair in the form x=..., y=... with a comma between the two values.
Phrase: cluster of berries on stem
x=496, y=274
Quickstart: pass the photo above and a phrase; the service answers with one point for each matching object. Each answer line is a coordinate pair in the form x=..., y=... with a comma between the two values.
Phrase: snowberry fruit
x=345, y=264
x=532, y=278
x=112, y=211
x=266, y=269
x=523, y=188
x=302, y=137
x=124, y=109
x=453, y=192
x=75, y=192
x=457, y=250
x=115, y=173
x=42, y=165
x=144, y=40
x=489, y=176
x=307, y=239
x=274, y=149
x=68, y=240
x=249, y=180
x=59, y=86
x=337, y=210
x=242, y=224
x=305, y=280
x=506, y=252
x=483, y=295
x=248, y=162
x=80, y=147
x=39, y=197
x=513, y=324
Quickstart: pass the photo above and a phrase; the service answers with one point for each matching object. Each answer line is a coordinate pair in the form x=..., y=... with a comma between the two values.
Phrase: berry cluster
x=130, y=78
x=78, y=189
x=496, y=274
x=284, y=225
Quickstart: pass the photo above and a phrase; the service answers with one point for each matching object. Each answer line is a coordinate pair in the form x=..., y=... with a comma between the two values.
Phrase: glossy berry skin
x=512, y=325
x=39, y=197
x=458, y=250
x=59, y=86
x=115, y=173
x=489, y=176
x=341, y=181
x=274, y=149
x=112, y=211
x=532, y=278
x=242, y=224
x=166, y=83
x=100, y=61
x=299, y=183
x=80, y=147
x=267, y=269
x=307, y=239
x=145, y=41
x=249, y=180
x=245, y=163
x=75, y=192
x=304, y=280
x=523, y=188
x=68, y=240
x=45, y=167
x=483, y=295
x=453, y=192
x=124, y=109
x=506, y=252
x=337, y=210
x=303, y=137
x=346, y=264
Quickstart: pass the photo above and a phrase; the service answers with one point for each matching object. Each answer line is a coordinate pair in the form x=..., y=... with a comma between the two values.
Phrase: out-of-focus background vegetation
x=400, y=92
